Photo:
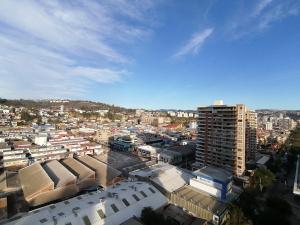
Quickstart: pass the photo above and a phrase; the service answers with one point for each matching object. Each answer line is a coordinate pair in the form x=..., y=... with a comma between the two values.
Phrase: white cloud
x=55, y=47
x=30, y=71
x=278, y=13
x=262, y=4
x=193, y=45
x=264, y=14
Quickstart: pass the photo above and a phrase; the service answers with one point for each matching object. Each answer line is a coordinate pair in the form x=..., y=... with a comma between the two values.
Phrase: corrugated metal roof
x=104, y=172
x=77, y=168
x=34, y=179
x=97, y=207
x=59, y=174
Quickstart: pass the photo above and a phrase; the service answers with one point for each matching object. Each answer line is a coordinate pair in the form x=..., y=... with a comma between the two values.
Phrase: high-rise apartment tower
x=226, y=137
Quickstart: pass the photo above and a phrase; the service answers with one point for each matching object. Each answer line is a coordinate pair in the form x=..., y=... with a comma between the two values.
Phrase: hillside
x=71, y=104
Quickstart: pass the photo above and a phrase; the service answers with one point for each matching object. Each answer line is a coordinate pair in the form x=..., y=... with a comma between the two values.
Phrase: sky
x=153, y=54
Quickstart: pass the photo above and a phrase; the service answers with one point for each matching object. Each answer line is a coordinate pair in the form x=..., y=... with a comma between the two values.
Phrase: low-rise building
x=113, y=206
x=148, y=151
x=214, y=181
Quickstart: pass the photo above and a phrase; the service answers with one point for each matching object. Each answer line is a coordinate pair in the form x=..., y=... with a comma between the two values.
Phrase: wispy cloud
x=263, y=14
x=57, y=47
x=260, y=6
x=193, y=45
x=278, y=13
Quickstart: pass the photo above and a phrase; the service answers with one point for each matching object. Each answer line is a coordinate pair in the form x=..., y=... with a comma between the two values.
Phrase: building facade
x=226, y=137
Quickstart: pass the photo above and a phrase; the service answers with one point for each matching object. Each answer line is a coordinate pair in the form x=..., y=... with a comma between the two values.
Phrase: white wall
x=40, y=140
x=204, y=187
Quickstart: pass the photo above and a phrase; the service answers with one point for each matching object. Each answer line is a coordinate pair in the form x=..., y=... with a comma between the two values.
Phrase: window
x=79, y=198
x=68, y=224
x=151, y=190
x=76, y=208
x=43, y=220
x=66, y=202
x=124, y=200
x=52, y=207
x=101, y=213
x=86, y=220
x=114, y=207
x=135, y=197
x=143, y=193
x=61, y=214
x=91, y=203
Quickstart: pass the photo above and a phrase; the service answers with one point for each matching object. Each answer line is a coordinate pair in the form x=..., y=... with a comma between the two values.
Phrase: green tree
x=248, y=202
x=262, y=178
x=279, y=205
x=237, y=216
x=27, y=117
x=150, y=217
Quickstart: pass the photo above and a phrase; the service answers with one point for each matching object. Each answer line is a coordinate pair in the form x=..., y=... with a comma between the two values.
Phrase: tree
x=271, y=217
x=248, y=203
x=150, y=217
x=27, y=117
x=262, y=178
x=274, y=165
x=237, y=216
x=279, y=205
x=39, y=120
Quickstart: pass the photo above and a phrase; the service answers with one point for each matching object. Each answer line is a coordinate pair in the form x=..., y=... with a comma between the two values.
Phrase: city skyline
x=166, y=54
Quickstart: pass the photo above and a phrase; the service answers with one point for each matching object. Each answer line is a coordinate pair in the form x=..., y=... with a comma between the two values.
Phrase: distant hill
x=71, y=104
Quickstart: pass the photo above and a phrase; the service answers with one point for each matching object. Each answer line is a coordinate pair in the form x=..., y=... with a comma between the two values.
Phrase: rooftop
x=59, y=174
x=77, y=168
x=118, y=160
x=114, y=206
x=201, y=199
x=211, y=172
x=34, y=180
x=165, y=175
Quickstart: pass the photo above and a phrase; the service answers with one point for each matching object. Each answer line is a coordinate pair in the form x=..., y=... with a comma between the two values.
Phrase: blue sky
x=153, y=53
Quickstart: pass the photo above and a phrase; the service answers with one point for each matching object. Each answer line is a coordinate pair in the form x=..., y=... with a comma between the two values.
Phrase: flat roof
x=59, y=174
x=132, y=221
x=183, y=149
x=118, y=160
x=213, y=173
x=149, y=148
x=201, y=199
x=263, y=160
x=113, y=206
x=77, y=168
x=4, y=145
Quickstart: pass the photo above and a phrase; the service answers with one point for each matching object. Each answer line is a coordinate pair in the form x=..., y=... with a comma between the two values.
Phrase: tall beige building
x=251, y=140
x=226, y=136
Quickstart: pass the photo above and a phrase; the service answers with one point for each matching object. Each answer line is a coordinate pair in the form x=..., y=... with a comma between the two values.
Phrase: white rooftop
x=165, y=175
x=113, y=206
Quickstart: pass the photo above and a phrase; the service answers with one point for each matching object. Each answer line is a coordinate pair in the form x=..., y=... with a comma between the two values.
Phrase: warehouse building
x=85, y=176
x=105, y=174
x=118, y=160
x=200, y=204
x=40, y=187
x=214, y=181
x=59, y=174
x=33, y=188
x=167, y=178
x=114, y=206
